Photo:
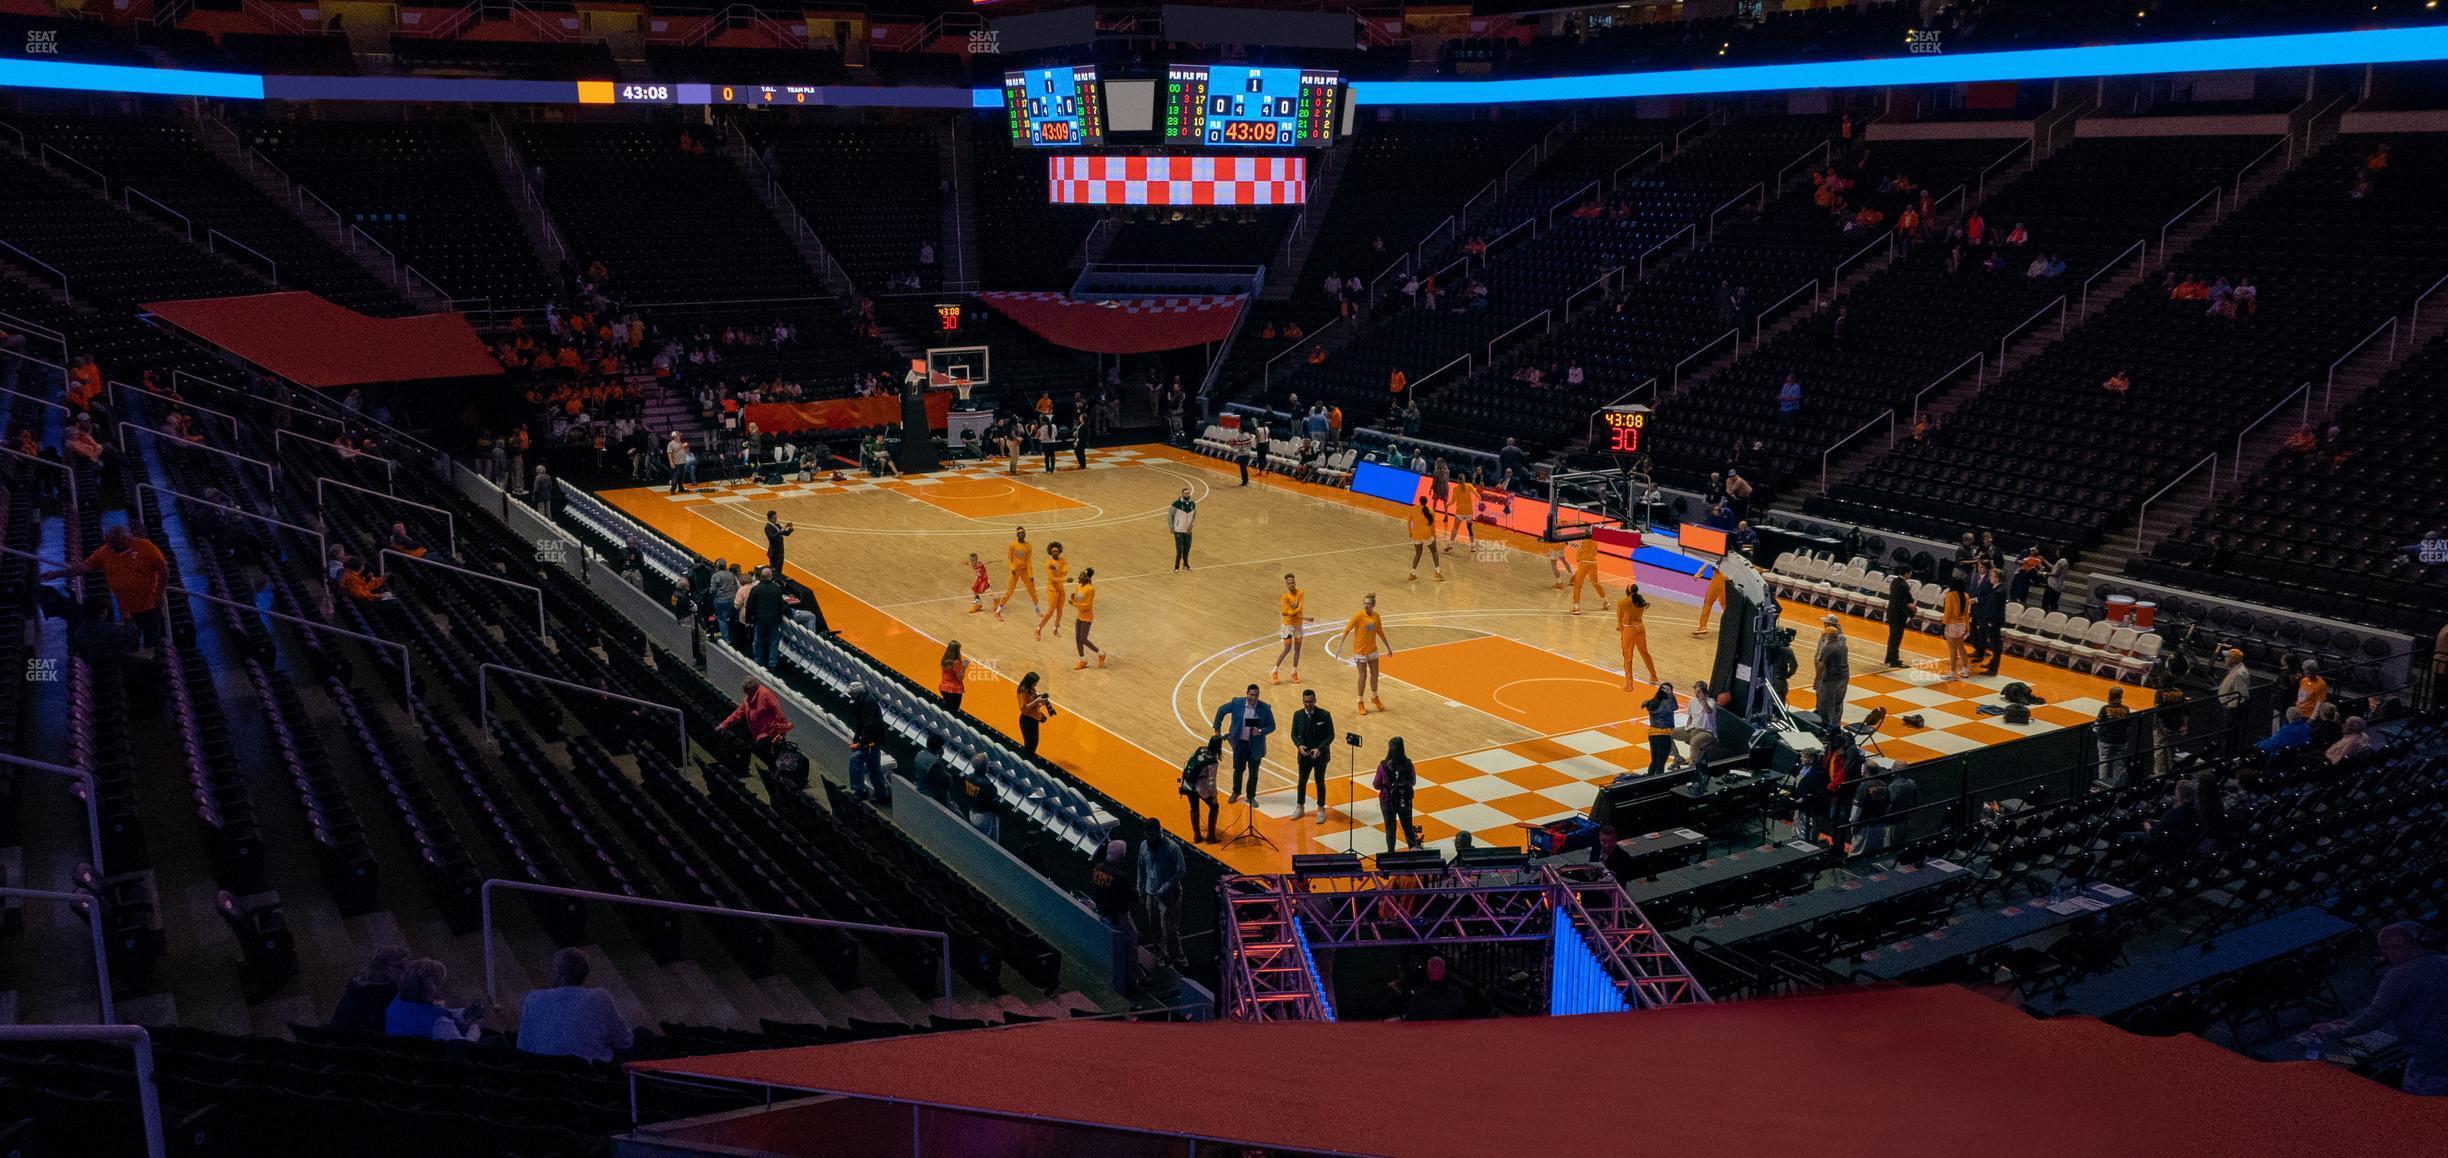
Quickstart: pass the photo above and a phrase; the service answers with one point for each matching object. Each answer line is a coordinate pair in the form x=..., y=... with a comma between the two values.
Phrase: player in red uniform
x=978, y=586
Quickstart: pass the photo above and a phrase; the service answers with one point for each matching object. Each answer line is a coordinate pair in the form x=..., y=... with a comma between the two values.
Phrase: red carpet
x=1940, y=1072
x=313, y=342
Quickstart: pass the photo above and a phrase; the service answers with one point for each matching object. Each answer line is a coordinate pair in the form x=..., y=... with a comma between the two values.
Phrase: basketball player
x=1058, y=569
x=1713, y=598
x=1083, y=603
x=1632, y=631
x=1423, y=537
x=1465, y=510
x=1369, y=645
x=1017, y=557
x=1292, y=603
x=1585, y=570
x=979, y=584
x=1556, y=565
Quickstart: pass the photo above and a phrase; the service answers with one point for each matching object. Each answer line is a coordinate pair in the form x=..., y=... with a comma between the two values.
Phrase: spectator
x=930, y=772
x=1832, y=674
x=362, y=589
x=362, y=1006
x=572, y=1019
x=2327, y=727
x=2352, y=741
x=765, y=613
x=2118, y=384
x=418, y=1010
x=759, y=714
x=2178, y=831
x=1699, y=732
x=1789, y=403
x=1036, y=707
x=1113, y=886
x=2113, y=729
x=2413, y=1001
x=1899, y=614
x=2060, y=573
x=2293, y=732
x=1438, y=998
x=136, y=573
x=867, y=732
x=2311, y=691
x=953, y=683
x=1162, y=870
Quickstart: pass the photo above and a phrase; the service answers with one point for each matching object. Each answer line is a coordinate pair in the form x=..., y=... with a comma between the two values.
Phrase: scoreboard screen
x=1237, y=107
x=1621, y=430
x=1055, y=107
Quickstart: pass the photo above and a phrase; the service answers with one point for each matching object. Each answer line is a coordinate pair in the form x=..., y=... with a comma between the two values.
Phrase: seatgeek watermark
x=42, y=42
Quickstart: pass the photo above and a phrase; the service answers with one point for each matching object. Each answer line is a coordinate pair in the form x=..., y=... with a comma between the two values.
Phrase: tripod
x=1351, y=789
x=1249, y=821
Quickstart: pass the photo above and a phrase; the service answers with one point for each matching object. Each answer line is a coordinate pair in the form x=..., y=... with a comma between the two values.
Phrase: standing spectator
x=954, y=681
x=1394, y=784
x=572, y=1019
x=2113, y=729
x=1789, y=403
x=1833, y=673
x=1036, y=708
x=361, y=1008
x=1989, y=617
x=1181, y=517
x=2060, y=573
x=1660, y=707
x=676, y=454
x=722, y=588
x=765, y=614
x=1198, y=785
x=2234, y=687
x=2311, y=691
x=1162, y=869
x=2413, y=1001
x=418, y=1010
x=543, y=492
x=867, y=745
x=1114, y=887
x=1899, y=615
x=1251, y=720
x=136, y=573
x=1049, y=441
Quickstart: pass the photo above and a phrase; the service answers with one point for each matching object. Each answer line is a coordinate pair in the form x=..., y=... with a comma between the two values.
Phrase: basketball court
x=1512, y=709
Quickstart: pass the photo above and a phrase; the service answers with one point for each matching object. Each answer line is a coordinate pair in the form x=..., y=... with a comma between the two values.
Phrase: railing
x=2236, y=473
x=270, y=472
x=46, y=153
x=2142, y=515
x=1824, y=456
x=339, y=223
x=484, y=898
x=542, y=631
x=1759, y=187
x=1223, y=352
x=1836, y=275
x=1088, y=250
x=148, y=1096
x=1545, y=319
x=1446, y=227
x=1266, y=373
x=213, y=236
x=1759, y=321
x=127, y=200
x=1706, y=120
x=2217, y=196
x=1572, y=300
x=2414, y=324
x=322, y=543
x=1508, y=236
x=926, y=34
x=1376, y=291
x=1615, y=179
x=484, y=703
x=1943, y=198
x=1422, y=381
x=1981, y=182
x=1981, y=359
x=1820, y=150
x=41, y=264
x=114, y=386
x=2329, y=391
x=409, y=277
x=448, y=27
x=27, y=328
x=1469, y=210
x=2286, y=142
x=450, y=524
x=257, y=157
x=2058, y=305
x=1640, y=264
x=1440, y=274
x=16, y=134
x=358, y=231
x=1675, y=380
x=2314, y=119
x=80, y=783
x=407, y=680
x=1569, y=199
x=2141, y=244
x=547, y=27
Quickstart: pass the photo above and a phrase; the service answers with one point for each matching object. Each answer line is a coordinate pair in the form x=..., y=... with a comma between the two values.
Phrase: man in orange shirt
x=136, y=573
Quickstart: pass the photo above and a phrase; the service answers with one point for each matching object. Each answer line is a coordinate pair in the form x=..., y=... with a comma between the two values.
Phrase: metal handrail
x=2236, y=473
x=304, y=195
x=80, y=783
x=271, y=472
x=1402, y=265
x=127, y=200
x=1823, y=149
x=1706, y=119
x=2329, y=391
x=1943, y=198
x=93, y=923
x=17, y=133
x=2216, y=194
x=450, y=524
x=1615, y=179
x=1610, y=273
x=2285, y=141
x=259, y=157
x=209, y=247
x=1462, y=216
x=2058, y=305
x=114, y=386
x=1640, y=264
x=1836, y=275
x=2142, y=515
x=484, y=702
x=322, y=542
x=358, y=231
x=75, y=500
x=542, y=631
x=1422, y=381
x=2142, y=244
x=1569, y=198
x=1529, y=223
x=1676, y=378
x=55, y=270
x=1446, y=227
x=176, y=376
x=44, y=151
x=1889, y=418
x=1759, y=187
x=26, y=327
x=1266, y=372
x=350, y=454
x=1759, y=321
x=1438, y=274
x=1981, y=182
x=148, y=1095
x=409, y=277
x=2414, y=324
x=484, y=897
x=407, y=680
x=1981, y=358
x=39, y=401
x=1547, y=317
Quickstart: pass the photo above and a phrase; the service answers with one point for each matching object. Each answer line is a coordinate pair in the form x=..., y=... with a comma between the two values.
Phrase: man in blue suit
x=1245, y=722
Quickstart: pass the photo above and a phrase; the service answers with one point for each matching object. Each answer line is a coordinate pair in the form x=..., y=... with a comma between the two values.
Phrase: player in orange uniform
x=1463, y=505
x=1585, y=571
x=1291, y=604
x=1369, y=645
x=1423, y=537
x=1058, y=569
x=1632, y=631
x=1017, y=556
x=1083, y=603
x=979, y=584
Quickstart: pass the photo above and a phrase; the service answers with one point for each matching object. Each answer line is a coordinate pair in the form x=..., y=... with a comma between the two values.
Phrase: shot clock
x=1621, y=430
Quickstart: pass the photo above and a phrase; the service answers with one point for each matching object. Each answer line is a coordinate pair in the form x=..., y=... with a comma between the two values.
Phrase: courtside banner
x=1116, y=180
x=1393, y=484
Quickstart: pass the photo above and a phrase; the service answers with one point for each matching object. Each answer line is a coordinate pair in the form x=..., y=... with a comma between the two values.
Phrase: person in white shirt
x=572, y=1019
x=1699, y=729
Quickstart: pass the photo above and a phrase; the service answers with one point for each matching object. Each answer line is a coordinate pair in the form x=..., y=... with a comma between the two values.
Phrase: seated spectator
x=363, y=1006
x=2294, y=732
x=572, y=1019
x=2018, y=235
x=2178, y=831
x=362, y=588
x=418, y=1010
x=405, y=543
x=2328, y=726
x=2118, y=384
x=2412, y=1002
x=2302, y=441
x=2352, y=741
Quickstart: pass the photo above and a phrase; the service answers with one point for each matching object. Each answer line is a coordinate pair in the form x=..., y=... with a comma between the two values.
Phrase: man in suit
x=1899, y=615
x=775, y=531
x=866, y=741
x=765, y=614
x=1313, y=734
x=1989, y=615
x=1245, y=722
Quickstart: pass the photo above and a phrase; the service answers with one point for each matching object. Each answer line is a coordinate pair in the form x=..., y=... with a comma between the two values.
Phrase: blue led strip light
x=2375, y=46
x=129, y=79
x=1300, y=937
x=1577, y=982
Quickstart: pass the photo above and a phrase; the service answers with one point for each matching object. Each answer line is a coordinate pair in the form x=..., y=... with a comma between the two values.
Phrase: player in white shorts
x=1294, y=606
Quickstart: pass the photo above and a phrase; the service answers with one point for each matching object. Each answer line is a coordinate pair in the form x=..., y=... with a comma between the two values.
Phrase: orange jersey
x=1291, y=603
x=1019, y=555
x=1630, y=617
x=1057, y=570
x=1365, y=631
x=1423, y=525
x=1585, y=554
x=1465, y=501
x=1083, y=599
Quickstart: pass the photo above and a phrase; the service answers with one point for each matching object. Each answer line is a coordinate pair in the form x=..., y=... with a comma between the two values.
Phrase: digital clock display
x=1054, y=106
x=1239, y=107
x=1623, y=430
x=655, y=93
x=1250, y=132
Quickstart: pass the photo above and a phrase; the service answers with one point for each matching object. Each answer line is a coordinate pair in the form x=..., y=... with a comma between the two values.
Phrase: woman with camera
x=1395, y=780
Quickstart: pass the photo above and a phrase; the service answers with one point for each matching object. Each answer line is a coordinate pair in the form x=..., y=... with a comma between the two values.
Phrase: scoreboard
x=1057, y=107
x=1620, y=430
x=1232, y=106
